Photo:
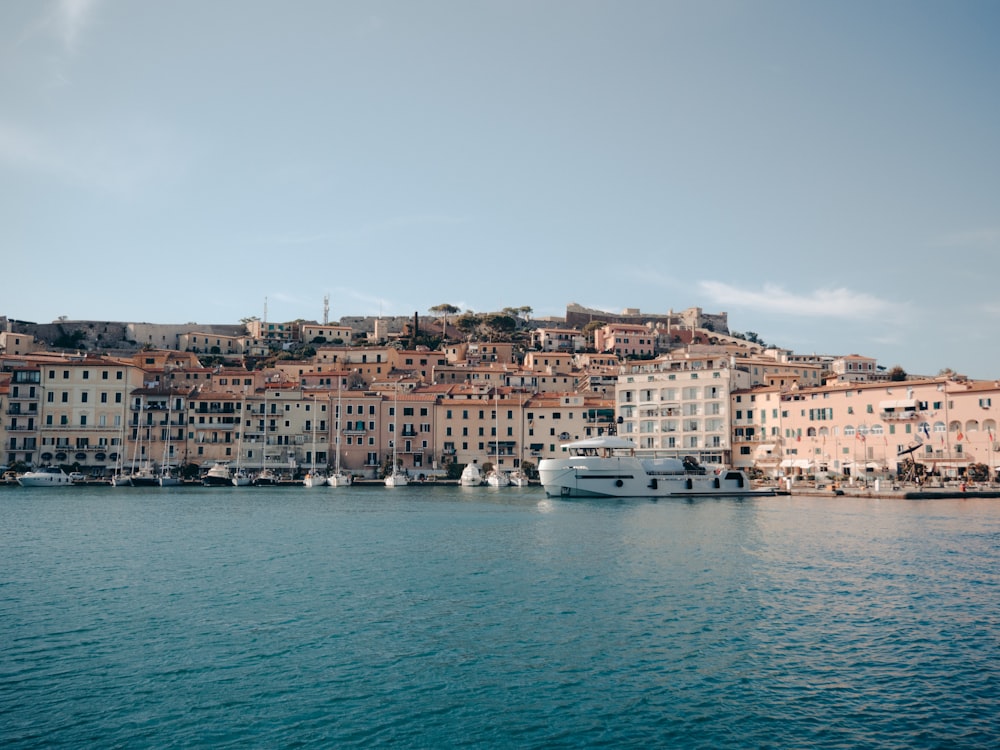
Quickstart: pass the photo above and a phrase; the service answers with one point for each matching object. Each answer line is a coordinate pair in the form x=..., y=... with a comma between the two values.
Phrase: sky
x=827, y=173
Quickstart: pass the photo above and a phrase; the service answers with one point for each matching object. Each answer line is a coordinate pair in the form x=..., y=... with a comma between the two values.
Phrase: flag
x=990, y=433
x=926, y=429
x=860, y=437
x=959, y=436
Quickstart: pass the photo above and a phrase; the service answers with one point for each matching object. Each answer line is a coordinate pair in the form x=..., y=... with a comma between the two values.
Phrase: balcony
x=898, y=416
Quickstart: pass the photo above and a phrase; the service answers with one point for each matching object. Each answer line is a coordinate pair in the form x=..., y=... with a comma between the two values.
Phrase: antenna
x=265, y=309
x=326, y=309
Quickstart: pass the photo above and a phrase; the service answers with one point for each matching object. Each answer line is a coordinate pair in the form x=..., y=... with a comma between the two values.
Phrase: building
x=863, y=430
x=680, y=407
x=625, y=340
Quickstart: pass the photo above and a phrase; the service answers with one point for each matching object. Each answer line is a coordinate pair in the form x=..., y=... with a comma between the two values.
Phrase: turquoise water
x=438, y=617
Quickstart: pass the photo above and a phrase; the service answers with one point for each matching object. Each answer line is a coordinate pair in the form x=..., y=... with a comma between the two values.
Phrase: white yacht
x=47, y=476
x=472, y=476
x=610, y=467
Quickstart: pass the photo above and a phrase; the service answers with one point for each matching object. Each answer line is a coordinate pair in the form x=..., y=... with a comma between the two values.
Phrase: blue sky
x=826, y=173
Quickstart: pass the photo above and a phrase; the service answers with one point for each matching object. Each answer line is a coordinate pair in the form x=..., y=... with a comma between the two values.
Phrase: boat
x=314, y=478
x=472, y=476
x=121, y=480
x=166, y=478
x=120, y=477
x=265, y=478
x=495, y=477
x=338, y=478
x=240, y=478
x=608, y=466
x=144, y=476
x=47, y=476
x=218, y=476
x=518, y=478
x=395, y=478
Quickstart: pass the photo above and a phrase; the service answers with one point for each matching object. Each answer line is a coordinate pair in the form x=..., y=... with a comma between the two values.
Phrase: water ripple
x=446, y=618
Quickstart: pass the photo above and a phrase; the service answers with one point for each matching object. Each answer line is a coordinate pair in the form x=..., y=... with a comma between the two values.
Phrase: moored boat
x=339, y=479
x=144, y=476
x=497, y=478
x=518, y=478
x=47, y=476
x=265, y=478
x=472, y=476
x=609, y=466
x=218, y=476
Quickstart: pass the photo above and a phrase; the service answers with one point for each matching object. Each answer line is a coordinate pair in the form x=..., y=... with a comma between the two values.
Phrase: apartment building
x=680, y=407
x=859, y=429
x=67, y=410
x=625, y=340
x=559, y=339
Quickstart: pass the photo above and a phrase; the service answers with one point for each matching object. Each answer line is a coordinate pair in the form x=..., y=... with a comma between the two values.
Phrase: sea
x=439, y=617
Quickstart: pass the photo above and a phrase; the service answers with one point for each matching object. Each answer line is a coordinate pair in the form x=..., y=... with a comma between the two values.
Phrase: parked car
x=76, y=477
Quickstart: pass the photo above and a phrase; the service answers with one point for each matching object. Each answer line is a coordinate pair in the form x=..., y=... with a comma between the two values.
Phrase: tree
x=469, y=322
x=897, y=374
x=444, y=310
x=500, y=325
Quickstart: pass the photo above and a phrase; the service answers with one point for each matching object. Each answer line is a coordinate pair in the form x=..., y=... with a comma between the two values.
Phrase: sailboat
x=265, y=477
x=497, y=478
x=338, y=478
x=517, y=477
x=240, y=478
x=395, y=478
x=120, y=478
x=166, y=478
x=314, y=478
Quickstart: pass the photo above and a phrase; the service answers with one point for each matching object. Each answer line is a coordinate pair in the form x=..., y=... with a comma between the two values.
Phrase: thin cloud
x=69, y=19
x=826, y=303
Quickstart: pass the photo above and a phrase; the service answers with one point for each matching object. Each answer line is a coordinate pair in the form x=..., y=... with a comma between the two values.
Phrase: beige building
x=869, y=429
x=625, y=340
x=680, y=407
x=68, y=410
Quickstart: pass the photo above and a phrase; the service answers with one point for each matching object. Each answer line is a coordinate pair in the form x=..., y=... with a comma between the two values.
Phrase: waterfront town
x=439, y=390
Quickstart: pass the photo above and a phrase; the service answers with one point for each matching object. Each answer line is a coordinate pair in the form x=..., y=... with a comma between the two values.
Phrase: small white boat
x=167, y=479
x=396, y=479
x=518, y=478
x=47, y=476
x=314, y=479
x=339, y=479
x=497, y=478
x=241, y=479
x=472, y=476
x=609, y=466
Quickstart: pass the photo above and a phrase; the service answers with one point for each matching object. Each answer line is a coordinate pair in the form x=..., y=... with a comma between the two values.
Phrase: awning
x=796, y=463
x=906, y=403
x=765, y=448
